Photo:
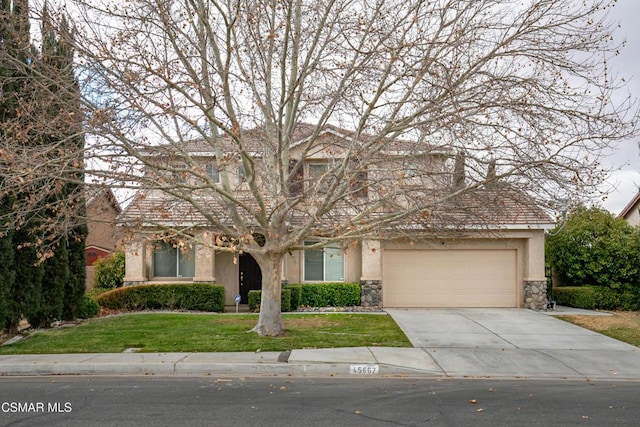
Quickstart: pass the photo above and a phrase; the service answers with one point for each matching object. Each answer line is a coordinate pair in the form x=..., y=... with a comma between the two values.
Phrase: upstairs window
x=411, y=169
x=242, y=175
x=213, y=173
x=179, y=173
x=317, y=171
x=318, y=176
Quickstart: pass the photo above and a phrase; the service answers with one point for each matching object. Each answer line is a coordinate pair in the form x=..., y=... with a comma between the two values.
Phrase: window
x=179, y=173
x=242, y=175
x=317, y=170
x=324, y=264
x=317, y=174
x=411, y=169
x=172, y=261
x=213, y=173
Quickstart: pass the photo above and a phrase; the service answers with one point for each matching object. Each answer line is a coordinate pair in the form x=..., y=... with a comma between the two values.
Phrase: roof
x=93, y=195
x=497, y=207
x=482, y=208
x=96, y=247
x=254, y=141
x=627, y=209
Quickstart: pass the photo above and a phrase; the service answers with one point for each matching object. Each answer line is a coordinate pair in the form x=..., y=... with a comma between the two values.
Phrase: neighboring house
x=102, y=211
x=499, y=265
x=631, y=212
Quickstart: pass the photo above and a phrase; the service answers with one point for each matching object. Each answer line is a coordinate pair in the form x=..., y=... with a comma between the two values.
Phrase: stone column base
x=371, y=293
x=535, y=294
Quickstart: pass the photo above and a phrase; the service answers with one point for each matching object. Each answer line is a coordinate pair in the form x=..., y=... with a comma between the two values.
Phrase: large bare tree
x=513, y=92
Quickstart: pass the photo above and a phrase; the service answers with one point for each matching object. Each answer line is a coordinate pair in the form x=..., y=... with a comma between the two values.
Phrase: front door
x=250, y=277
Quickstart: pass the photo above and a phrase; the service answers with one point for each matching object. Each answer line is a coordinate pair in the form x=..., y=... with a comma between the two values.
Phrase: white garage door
x=449, y=278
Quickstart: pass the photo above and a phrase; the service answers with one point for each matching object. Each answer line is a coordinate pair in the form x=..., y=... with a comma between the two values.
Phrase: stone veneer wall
x=535, y=294
x=371, y=293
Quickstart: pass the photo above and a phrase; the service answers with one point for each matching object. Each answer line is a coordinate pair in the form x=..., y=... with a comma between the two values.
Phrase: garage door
x=449, y=278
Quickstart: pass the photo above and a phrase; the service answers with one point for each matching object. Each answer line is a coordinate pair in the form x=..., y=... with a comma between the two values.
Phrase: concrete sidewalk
x=321, y=362
x=476, y=343
x=357, y=361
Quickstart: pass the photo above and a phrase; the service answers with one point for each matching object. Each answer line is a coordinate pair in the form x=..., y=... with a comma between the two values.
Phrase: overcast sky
x=626, y=159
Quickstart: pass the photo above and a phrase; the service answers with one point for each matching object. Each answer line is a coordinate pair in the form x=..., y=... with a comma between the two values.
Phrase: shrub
x=183, y=296
x=89, y=308
x=575, y=296
x=596, y=248
x=596, y=297
x=296, y=294
x=109, y=271
x=255, y=297
x=329, y=294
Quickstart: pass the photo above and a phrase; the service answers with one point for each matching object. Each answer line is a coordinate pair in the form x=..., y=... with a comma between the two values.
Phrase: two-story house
x=494, y=259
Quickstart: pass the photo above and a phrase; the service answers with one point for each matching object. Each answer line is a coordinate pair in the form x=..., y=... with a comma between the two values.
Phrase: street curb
x=201, y=369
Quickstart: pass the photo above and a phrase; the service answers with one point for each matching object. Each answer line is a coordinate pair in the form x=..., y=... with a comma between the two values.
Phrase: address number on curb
x=364, y=369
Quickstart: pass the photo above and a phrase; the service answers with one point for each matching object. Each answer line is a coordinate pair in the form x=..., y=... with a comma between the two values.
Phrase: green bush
x=296, y=294
x=182, y=296
x=595, y=297
x=596, y=248
x=109, y=271
x=329, y=294
x=255, y=297
x=629, y=301
x=575, y=296
x=89, y=308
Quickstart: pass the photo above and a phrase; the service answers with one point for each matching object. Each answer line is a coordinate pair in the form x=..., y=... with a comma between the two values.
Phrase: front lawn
x=186, y=332
x=622, y=325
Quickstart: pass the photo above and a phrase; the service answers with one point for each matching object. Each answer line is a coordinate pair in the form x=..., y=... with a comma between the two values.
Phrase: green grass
x=628, y=335
x=183, y=332
x=621, y=325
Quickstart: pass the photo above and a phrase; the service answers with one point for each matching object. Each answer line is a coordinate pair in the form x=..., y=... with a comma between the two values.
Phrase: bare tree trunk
x=270, y=319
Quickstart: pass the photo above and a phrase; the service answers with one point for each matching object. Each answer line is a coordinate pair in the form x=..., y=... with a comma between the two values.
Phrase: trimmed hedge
x=296, y=295
x=183, y=296
x=255, y=297
x=312, y=295
x=595, y=297
x=327, y=294
x=575, y=296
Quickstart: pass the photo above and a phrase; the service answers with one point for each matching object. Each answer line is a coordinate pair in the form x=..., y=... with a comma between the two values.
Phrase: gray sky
x=626, y=159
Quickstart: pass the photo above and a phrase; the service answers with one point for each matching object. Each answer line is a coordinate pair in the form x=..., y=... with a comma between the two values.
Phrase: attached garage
x=450, y=277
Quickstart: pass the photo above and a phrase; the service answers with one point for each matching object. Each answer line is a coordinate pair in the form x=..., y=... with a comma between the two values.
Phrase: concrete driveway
x=497, y=328
x=514, y=343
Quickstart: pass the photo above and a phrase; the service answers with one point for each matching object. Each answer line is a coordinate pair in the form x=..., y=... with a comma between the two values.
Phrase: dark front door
x=250, y=277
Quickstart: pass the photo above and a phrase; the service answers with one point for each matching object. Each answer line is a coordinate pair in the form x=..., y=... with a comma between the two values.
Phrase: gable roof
x=627, y=209
x=94, y=195
x=498, y=206
x=254, y=140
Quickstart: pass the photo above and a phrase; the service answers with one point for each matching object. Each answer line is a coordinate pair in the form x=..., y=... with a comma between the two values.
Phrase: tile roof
x=493, y=207
x=481, y=208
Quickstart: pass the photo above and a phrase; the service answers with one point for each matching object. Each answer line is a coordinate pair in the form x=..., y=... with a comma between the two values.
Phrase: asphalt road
x=156, y=401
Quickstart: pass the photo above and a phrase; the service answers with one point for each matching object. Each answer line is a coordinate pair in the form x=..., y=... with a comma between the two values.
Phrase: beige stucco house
x=631, y=212
x=498, y=264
